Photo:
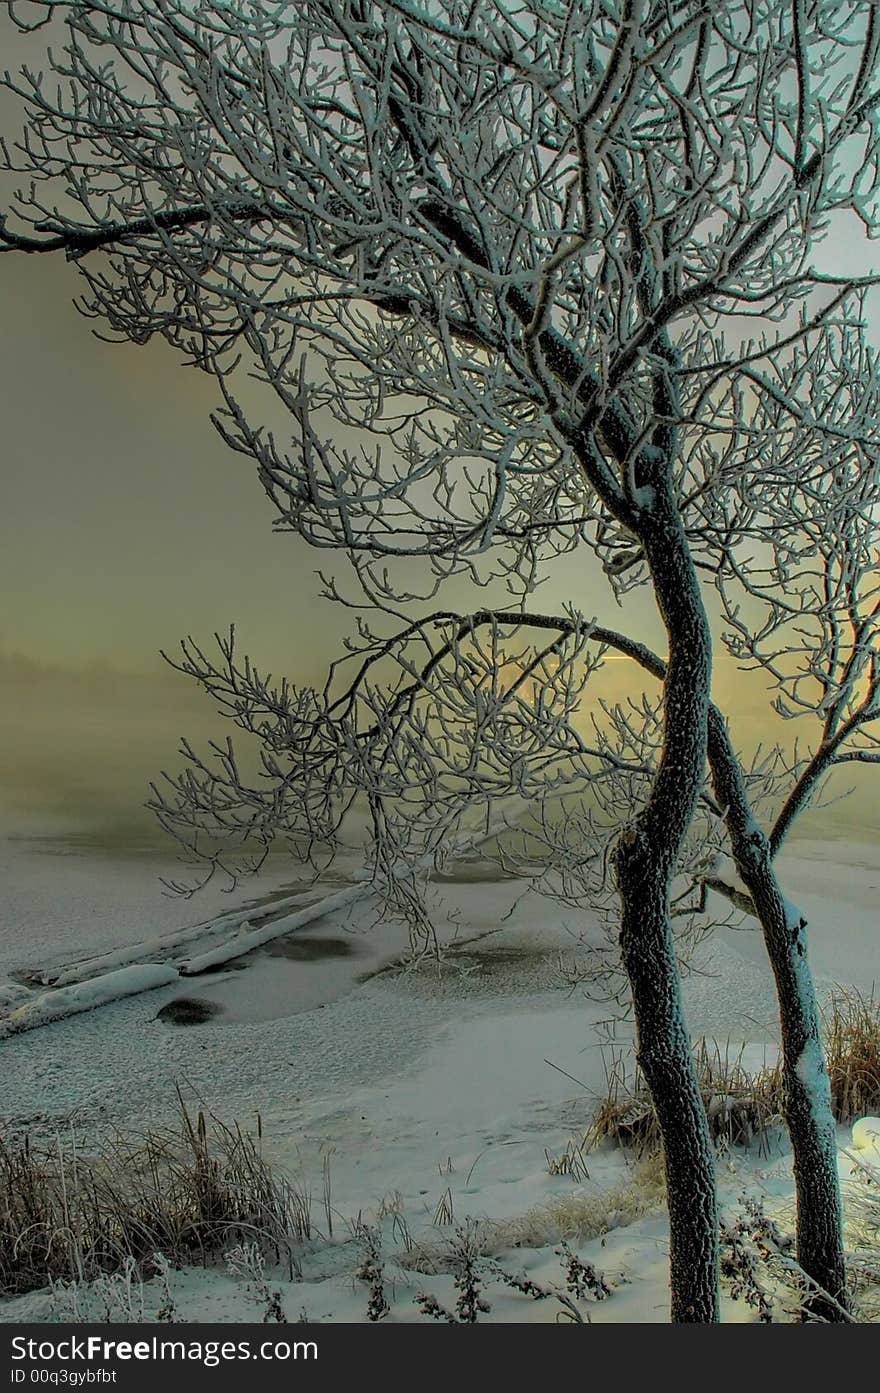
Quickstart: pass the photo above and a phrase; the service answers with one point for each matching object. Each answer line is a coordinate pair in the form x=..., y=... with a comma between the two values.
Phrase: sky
x=127, y=520
x=127, y=523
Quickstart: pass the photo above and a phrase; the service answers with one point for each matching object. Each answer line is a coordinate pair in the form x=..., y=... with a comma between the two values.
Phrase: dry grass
x=852, y=1048
x=742, y=1105
x=862, y=1235
x=577, y=1217
x=572, y=1161
x=187, y=1193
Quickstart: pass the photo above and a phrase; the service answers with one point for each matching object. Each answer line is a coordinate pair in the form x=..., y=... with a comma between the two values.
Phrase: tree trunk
x=806, y=1090
x=665, y=1058
x=645, y=862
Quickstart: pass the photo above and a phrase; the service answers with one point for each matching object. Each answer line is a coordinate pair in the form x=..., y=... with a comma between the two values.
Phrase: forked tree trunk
x=645, y=864
x=806, y=1090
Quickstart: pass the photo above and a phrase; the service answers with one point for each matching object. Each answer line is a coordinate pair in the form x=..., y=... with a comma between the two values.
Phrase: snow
x=430, y=1092
x=811, y=1071
x=724, y=870
x=866, y=1135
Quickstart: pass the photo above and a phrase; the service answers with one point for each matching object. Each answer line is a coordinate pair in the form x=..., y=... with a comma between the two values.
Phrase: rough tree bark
x=806, y=1090
x=807, y=1096
x=645, y=864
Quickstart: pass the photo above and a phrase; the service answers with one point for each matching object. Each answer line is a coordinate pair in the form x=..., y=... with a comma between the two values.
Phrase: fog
x=78, y=748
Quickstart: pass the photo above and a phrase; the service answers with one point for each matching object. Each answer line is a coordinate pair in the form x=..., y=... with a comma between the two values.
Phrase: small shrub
x=862, y=1234
x=466, y=1258
x=743, y=1262
x=430, y=1306
x=759, y=1267
x=372, y=1271
x=247, y=1263
x=581, y=1278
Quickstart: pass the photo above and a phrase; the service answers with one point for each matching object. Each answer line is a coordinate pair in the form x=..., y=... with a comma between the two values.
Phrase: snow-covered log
x=248, y=938
x=56, y=1004
x=168, y=945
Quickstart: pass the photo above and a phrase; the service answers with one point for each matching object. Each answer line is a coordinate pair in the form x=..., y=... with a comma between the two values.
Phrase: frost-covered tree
x=526, y=280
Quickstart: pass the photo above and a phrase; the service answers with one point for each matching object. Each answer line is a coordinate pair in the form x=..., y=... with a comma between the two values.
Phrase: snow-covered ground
x=436, y=1095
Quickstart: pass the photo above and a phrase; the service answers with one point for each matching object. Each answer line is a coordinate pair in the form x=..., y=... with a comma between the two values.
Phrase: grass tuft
x=188, y=1192
x=852, y=1050
x=742, y=1106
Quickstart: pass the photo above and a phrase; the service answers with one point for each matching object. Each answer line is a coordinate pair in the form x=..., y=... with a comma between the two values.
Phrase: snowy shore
x=441, y=1091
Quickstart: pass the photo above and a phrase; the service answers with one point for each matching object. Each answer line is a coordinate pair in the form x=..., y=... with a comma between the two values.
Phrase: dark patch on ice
x=188, y=1010
x=318, y=886
x=489, y=960
x=309, y=950
x=476, y=871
